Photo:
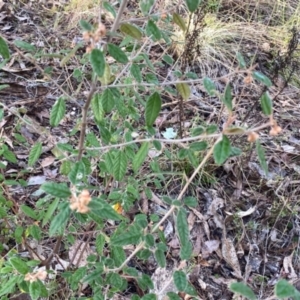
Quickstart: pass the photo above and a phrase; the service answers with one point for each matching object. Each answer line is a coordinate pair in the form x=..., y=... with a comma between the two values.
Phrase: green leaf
x=107, y=77
x=4, y=51
x=261, y=156
x=108, y=100
x=152, y=110
x=284, y=289
x=10, y=156
x=77, y=173
x=144, y=254
x=179, y=21
x=25, y=46
x=190, y=201
x=145, y=282
x=109, y=8
x=19, y=265
x=145, y=6
x=34, y=290
x=209, y=86
x=227, y=98
x=59, y=190
x=100, y=242
x=241, y=60
x=57, y=112
x=149, y=297
x=29, y=212
x=127, y=238
x=86, y=26
x=222, y=150
x=49, y=214
x=136, y=72
x=118, y=255
x=149, y=239
x=198, y=146
x=186, y=251
x=153, y=31
x=179, y=278
x=242, y=289
x=182, y=226
x=184, y=90
x=8, y=286
x=2, y=87
x=97, y=61
x=192, y=4
x=266, y=104
x=35, y=153
x=60, y=220
x=97, y=108
x=131, y=30
x=120, y=165
x=103, y=210
x=36, y=232
x=140, y=157
x=117, y=53
x=160, y=258
x=65, y=167
x=173, y=296
x=262, y=78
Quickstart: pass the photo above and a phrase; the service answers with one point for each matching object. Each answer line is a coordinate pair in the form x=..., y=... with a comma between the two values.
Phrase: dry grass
x=226, y=31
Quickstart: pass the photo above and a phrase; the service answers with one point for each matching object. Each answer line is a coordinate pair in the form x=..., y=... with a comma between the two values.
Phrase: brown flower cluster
x=80, y=203
x=40, y=274
x=275, y=129
x=92, y=38
x=252, y=137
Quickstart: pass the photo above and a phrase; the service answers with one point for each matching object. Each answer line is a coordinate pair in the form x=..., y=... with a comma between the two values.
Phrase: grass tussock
x=264, y=26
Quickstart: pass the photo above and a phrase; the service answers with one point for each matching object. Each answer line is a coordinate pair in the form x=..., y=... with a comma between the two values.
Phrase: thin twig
x=183, y=140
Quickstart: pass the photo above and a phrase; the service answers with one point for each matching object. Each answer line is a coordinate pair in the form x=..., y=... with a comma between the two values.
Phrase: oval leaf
x=97, y=62
x=241, y=60
x=192, y=4
x=266, y=104
x=4, y=51
x=103, y=210
x=179, y=278
x=60, y=190
x=117, y=53
x=57, y=112
x=140, y=157
x=153, y=31
x=135, y=71
x=261, y=156
x=160, y=258
x=184, y=90
x=227, y=98
x=35, y=153
x=242, y=289
x=152, y=110
x=182, y=226
x=262, y=78
x=131, y=30
x=120, y=165
x=179, y=21
x=209, y=86
x=60, y=220
x=19, y=265
x=284, y=289
x=97, y=108
x=222, y=150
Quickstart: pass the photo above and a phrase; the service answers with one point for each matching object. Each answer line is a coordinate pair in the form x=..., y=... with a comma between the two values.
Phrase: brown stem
x=84, y=120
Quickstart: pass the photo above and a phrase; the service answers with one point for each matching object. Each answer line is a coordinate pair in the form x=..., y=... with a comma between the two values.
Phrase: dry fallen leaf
x=230, y=256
